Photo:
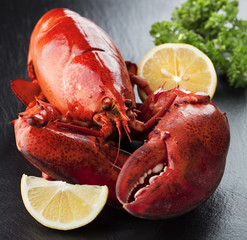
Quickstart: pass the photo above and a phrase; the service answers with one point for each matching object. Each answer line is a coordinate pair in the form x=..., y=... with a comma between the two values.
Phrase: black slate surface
x=223, y=216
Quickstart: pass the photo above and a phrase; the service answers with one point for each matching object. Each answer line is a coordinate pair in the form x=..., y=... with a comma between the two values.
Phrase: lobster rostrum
x=81, y=104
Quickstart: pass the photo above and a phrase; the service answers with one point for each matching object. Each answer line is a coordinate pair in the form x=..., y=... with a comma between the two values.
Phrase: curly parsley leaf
x=213, y=27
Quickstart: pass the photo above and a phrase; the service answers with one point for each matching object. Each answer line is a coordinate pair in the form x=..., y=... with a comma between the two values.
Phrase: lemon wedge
x=60, y=205
x=175, y=64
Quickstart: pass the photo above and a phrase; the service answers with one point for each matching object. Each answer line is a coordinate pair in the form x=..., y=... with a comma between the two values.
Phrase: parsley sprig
x=213, y=27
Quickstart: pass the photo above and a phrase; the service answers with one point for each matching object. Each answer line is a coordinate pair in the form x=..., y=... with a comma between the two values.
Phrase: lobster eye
x=107, y=104
x=128, y=103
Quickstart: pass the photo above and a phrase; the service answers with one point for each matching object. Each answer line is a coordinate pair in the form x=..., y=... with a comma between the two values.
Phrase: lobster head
x=78, y=67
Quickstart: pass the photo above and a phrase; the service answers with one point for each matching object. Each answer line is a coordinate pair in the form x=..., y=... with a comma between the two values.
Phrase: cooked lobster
x=81, y=105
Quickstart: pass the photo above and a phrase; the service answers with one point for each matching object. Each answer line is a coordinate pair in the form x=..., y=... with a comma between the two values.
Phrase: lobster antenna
x=127, y=131
x=125, y=125
x=118, y=125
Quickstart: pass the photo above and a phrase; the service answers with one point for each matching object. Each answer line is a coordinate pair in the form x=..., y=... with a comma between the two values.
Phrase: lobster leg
x=100, y=119
x=25, y=91
x=140, y=82
x=141, y=127
x=78, y=129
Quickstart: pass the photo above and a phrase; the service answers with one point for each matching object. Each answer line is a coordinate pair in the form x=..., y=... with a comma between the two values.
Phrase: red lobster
x=80, y=101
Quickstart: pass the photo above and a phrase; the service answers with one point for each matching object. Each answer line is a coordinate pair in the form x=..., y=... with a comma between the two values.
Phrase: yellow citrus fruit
x=175, y=64
x=60, y=205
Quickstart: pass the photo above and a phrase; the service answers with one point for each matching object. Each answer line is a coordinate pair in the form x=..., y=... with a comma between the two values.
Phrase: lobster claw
x=70, y=156
x=180, y=165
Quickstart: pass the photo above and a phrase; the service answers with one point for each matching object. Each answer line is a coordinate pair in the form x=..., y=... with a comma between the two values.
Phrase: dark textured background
x=223, y=216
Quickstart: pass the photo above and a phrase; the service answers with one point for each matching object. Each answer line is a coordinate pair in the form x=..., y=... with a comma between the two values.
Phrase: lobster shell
x=77, y=65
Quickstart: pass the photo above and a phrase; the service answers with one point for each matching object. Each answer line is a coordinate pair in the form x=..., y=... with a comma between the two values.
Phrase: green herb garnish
x=213, y=27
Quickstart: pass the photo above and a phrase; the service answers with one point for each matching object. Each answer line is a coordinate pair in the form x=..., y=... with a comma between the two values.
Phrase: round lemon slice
x=175, y=64
x=60, y=205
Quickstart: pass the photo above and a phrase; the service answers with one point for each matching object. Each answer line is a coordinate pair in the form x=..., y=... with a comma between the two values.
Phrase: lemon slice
x=60, y=205
x=180, y=65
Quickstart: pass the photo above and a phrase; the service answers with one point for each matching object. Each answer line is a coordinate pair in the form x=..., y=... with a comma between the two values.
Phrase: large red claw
x=69, y=156
x=180, y=166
